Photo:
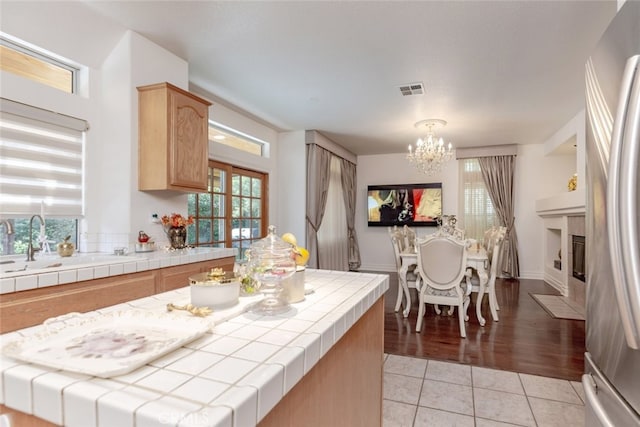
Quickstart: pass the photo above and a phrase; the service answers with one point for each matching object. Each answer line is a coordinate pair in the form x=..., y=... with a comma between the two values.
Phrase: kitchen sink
x=17, y=266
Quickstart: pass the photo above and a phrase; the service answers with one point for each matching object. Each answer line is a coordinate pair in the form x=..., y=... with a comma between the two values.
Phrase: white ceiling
x=498, y=72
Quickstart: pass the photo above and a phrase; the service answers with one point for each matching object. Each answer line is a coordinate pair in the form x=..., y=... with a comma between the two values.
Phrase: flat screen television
x=400, y=204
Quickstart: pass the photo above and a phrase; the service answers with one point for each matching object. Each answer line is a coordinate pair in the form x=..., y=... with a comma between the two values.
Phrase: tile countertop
x=232, y=376
x=45, y=271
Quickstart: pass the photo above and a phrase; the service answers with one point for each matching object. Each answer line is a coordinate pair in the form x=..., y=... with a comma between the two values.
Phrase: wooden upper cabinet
x=173, y=139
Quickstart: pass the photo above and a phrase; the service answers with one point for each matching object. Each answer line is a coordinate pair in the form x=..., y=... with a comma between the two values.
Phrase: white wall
x=564, y=155
x=292, y=185
x=223, y=153
x=528, y=187
x=116, y=61
x=375, y=246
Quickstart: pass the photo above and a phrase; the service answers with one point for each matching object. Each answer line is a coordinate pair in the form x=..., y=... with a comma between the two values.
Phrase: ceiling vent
x=412, y=89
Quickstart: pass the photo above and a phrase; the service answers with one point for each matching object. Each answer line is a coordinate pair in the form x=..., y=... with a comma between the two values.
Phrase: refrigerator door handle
x=622, y=202
x=592, y=401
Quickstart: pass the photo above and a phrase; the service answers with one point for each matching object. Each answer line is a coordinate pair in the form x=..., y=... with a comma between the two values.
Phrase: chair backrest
x=493, y=236
x=397, y=241
x=442, y=261
x=487, y=239
x=493, y=252
x=410, y=237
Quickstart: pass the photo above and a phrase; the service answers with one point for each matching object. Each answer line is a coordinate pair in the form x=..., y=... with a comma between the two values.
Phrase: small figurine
x=573, y=182
x=143, y=237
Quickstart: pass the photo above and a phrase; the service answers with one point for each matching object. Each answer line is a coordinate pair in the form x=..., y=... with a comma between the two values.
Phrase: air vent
x=412, y=89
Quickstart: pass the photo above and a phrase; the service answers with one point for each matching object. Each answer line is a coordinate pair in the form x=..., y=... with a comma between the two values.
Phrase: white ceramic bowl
x=213, y=294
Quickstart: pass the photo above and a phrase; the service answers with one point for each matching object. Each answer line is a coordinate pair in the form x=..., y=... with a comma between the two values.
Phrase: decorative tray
x=106, y=344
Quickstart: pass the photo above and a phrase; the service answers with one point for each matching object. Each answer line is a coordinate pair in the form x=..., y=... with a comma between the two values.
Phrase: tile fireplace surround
x=564, y=217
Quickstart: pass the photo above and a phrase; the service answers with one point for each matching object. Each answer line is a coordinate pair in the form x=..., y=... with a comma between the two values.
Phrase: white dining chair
x=410, y=237
x=441, y=265
x=493, y=239
x=408, y=280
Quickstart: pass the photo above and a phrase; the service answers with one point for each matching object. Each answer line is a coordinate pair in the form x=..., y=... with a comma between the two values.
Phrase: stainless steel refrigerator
x=612, y=362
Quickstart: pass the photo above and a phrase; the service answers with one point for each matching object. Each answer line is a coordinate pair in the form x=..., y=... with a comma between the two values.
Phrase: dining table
x=477, y=259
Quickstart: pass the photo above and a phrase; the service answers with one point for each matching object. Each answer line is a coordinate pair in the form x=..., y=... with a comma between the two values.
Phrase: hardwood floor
x=526, y=339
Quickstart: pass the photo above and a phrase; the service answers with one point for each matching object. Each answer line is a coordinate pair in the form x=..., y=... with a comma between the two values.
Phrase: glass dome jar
x=271, y=260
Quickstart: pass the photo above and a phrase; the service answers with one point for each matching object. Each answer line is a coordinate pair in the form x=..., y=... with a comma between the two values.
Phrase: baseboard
x=555, y=284
x=534, y=275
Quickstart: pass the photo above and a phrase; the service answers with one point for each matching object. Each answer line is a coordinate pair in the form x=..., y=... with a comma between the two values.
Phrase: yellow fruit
x=302, y=255
x=290, y=238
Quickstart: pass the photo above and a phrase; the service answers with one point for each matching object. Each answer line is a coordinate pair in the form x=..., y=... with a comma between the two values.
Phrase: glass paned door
x=231, y=212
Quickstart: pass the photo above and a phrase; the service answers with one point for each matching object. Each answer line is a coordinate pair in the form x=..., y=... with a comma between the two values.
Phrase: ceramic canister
x=293, y=287
x=213, y=294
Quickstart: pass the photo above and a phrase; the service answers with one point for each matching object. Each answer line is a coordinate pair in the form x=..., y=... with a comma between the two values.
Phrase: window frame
x=41, y=57
x=243, y=242
x=244, y=141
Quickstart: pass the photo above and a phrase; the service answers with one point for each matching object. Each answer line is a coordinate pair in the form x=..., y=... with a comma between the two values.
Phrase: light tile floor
x=421, y=392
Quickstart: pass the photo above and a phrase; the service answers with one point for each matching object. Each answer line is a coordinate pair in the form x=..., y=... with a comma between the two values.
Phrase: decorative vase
x=177, y=237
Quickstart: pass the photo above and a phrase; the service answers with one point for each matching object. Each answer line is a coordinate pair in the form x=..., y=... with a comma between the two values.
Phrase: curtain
x=349, y=195
x=333, y=247
x=498, y=172
x=318, y=163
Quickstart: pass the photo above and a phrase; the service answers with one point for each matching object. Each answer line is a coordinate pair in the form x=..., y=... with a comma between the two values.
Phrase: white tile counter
x=232, y=376
x=45, y=271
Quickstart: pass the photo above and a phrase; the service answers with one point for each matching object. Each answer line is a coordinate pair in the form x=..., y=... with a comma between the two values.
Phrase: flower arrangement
x=176, y=220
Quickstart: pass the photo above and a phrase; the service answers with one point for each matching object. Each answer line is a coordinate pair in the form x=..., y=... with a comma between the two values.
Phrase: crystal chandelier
x=430, y=154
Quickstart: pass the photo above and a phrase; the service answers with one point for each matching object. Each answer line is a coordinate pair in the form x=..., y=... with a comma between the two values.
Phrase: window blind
x=41, y=161
x=479, y=214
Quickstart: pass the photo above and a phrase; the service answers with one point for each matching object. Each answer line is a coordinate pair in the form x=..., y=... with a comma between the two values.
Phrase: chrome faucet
x=30, y=249
x=5, y=241
x=7, y=226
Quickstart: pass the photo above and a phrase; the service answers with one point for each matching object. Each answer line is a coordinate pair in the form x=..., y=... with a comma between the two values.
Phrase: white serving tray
x=106, y=344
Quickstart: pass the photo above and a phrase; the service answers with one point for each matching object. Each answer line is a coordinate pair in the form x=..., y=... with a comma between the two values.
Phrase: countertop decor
x=175, y=227
x=106, y=344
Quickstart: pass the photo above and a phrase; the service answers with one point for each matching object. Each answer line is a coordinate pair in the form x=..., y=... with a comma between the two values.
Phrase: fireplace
x=578, y=244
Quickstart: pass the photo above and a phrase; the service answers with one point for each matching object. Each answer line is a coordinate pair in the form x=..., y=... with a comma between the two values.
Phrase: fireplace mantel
x=570, y=203
x=564, y=216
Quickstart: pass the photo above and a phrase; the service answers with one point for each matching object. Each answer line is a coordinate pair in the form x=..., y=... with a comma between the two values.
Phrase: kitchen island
x=320, y=363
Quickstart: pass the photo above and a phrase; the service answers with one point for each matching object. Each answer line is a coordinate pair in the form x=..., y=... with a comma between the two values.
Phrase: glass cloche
x=271, y=260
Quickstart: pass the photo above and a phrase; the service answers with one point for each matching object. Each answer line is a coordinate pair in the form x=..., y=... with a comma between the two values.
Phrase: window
x=41, y=171
x=37, y=66
x=233, y=212
x=236, y=139
x=479, y=214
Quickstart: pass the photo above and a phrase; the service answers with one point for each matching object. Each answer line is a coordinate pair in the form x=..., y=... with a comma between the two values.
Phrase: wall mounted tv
x=410, y=204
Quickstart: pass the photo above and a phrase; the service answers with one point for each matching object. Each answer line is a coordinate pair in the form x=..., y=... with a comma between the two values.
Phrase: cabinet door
x=28, y=308
x=189, y=142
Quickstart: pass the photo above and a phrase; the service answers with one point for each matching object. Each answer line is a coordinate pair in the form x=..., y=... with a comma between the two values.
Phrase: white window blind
x=479, y=214
x=41, y=161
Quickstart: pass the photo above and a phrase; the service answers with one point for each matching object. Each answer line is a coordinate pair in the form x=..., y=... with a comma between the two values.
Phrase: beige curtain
x=318, y=163
x=349, y=193
x=333, y=246
x=498, y=172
